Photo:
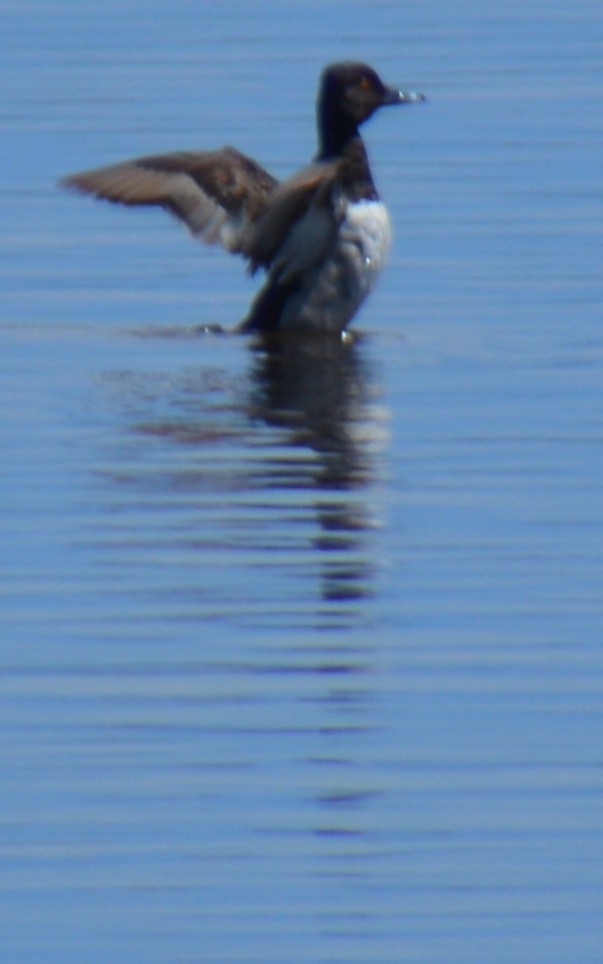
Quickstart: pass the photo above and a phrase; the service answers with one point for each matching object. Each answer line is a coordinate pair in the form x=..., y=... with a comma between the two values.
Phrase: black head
x=349, y=94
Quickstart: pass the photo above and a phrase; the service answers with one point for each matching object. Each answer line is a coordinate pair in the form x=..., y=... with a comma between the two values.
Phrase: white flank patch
x=367, y=226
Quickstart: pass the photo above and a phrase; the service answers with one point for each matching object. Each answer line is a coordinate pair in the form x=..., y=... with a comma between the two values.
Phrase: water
x=301, y=652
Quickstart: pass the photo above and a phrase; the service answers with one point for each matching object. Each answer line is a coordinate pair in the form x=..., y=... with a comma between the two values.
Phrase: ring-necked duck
x=322, y=235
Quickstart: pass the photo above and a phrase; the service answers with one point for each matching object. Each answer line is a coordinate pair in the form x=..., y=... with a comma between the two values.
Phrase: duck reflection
x=265, y=462
x=320, y=391
x=241, y=537
x=317, y=388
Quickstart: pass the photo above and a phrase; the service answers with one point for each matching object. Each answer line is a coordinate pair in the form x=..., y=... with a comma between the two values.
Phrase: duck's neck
x=333, y=138
x=354, y=173
x=335, y=131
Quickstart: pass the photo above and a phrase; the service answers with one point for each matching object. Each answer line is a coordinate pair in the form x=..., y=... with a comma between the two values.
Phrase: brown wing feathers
x=216, y=193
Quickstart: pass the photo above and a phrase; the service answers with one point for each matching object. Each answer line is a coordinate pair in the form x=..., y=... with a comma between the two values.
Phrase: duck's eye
x=365, y=83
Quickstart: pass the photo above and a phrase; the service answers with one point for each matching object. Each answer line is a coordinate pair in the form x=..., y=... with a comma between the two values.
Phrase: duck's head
x=349, y=93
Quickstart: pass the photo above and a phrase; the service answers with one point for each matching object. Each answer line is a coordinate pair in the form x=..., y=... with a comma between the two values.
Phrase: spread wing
x=219, y=195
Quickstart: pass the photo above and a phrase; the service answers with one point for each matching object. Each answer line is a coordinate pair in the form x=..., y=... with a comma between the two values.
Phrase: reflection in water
x=241, y=534
x=318, y=390
x=274, y=470
x=319, y=394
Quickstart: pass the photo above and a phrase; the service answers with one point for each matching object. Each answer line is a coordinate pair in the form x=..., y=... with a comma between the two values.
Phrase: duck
x=321, y=236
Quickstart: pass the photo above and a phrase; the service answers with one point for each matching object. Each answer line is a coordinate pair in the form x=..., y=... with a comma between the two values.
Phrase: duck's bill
x=404, y=96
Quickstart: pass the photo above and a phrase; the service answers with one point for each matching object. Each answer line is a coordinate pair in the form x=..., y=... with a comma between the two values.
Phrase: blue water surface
x=301, y=651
